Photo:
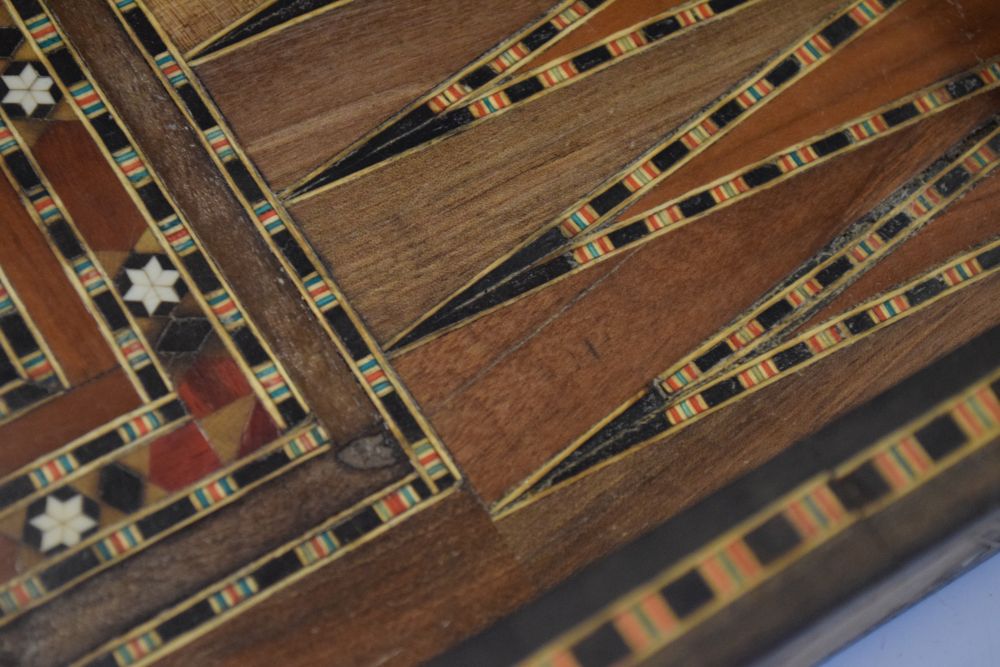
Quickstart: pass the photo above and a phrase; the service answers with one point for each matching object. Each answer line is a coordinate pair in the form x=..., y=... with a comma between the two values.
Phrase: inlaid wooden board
x=339, y=331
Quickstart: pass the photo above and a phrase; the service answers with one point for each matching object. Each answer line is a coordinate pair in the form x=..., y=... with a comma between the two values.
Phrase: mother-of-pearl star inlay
x=29, y=89
x=63, y=522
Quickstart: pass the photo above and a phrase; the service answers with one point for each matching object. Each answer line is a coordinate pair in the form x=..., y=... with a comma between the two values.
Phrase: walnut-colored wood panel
x=298, y=97
x=101, y=209
x=879, y=67
x=310, y=357
x=616, y=16
x=861, y=561
x=49, y=298
x=194, y=558
x=190, y=22
x=569, y=369
x=968, y=223
x=51, y=425
x=440, y=576
x=557, y=534
x=398, y=246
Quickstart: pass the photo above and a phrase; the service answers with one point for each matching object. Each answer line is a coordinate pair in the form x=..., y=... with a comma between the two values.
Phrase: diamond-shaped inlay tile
x=150, y=285
x=10, y=39
x=121, y=488
x=60, y=520
x=27, y=90
x=183, y=335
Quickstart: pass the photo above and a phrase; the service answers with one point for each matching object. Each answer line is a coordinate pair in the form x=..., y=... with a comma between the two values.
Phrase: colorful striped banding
x=118, y=543
x=233, y=594
x=170, y=69
x=374, y=376
x=429, y=460
x=53, y=470
x=44, y=32
x=214, y=492
x=16, y=597
x=317, y=548
x=308, y=442
x=135, y=650
x=177, y=235
x=396, y=503
x=87, y=99
x=225, y=309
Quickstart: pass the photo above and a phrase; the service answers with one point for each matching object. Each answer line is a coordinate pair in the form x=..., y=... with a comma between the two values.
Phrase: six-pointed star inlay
x=28, y=91
x=63, y=521
x=150, y=285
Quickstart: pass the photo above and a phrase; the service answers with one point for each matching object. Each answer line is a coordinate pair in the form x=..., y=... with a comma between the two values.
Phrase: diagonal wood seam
x=568, y=252
x=519, y=498
x=628, y=600
x=299, y=192
x=292, y=228
x=192, y=54
x=287, y=193
x=692, y=123
x=522, y=492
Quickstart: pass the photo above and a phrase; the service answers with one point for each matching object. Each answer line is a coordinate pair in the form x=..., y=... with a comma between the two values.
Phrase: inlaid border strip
x=726, y=191
x=677, y=149
x=649, y=417
x=264, y=372
x=28, y=356
x=177, y=511
x=52, y=577
x=115, y=543
x=570, y=69
x=96, y=290
x=875, y=240
x=217, y=45
x=90, y=450
x=776, y=313
x=483, y=74
x=658, y=612
x=204, y=611
x=282, y=236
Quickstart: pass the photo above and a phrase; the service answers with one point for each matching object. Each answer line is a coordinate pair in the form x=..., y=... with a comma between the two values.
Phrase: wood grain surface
x=565, y=369
x=190, y=22
x=386, y=262
x=418, y=524
x=374, y=62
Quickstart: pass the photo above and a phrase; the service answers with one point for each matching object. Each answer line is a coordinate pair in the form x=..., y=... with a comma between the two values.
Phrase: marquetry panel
x=377, y=320
x=373, y=62
x=217, y=414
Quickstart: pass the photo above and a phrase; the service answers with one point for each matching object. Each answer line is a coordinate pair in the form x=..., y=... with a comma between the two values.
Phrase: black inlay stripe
x=185, y=621
x=166, y=517
x=722, y=391
x=271, y=16
x=793, y=356
x=347, y=332
x=403, y=418
x=65, y=571
x=687, y=594
x=276, y=569
x=24, y=396
x=15, y=489
x=255, y=470
x=602, y=647
x=860, y=487
x=145, y=32
x=941, y=437
x=18, y=334
x=357, y=526
x=772, y=539
x=706, y=361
